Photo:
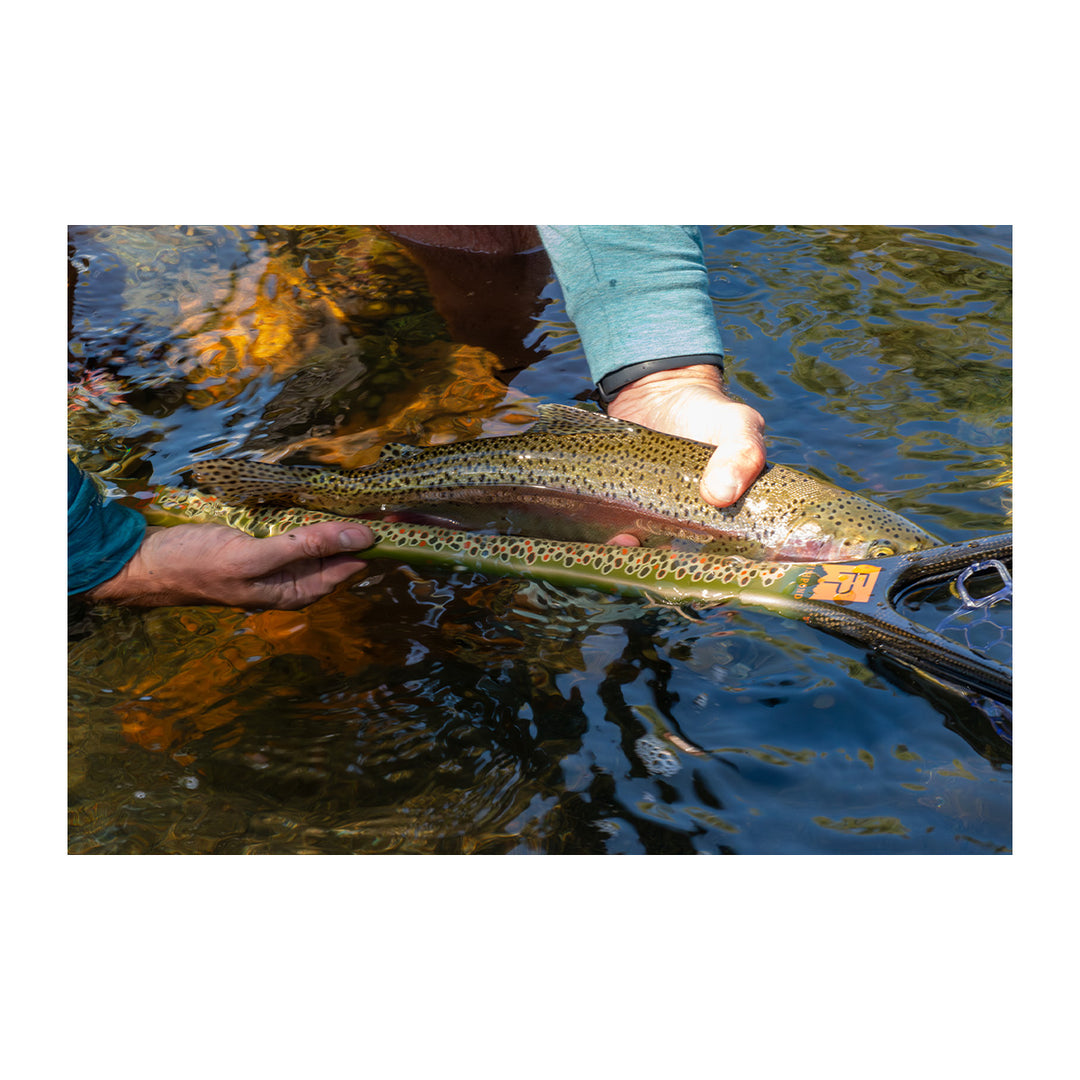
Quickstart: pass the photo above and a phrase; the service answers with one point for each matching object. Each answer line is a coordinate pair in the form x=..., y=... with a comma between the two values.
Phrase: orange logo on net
x=853, y=584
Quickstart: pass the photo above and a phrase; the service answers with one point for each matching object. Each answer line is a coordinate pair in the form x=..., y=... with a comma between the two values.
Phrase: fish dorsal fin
x=556, y=419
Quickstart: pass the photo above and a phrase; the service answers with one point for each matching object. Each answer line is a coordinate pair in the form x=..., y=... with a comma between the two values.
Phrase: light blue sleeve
x=634, y=292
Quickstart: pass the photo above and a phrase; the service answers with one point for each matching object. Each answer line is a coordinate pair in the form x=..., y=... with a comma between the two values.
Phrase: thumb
x=731, y=470
x=320, y=541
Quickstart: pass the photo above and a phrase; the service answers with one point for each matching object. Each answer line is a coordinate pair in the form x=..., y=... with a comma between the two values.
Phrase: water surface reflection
x=442, y=712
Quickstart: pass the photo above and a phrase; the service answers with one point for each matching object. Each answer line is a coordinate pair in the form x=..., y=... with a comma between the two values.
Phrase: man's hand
x=691, y=402
x=213, y=564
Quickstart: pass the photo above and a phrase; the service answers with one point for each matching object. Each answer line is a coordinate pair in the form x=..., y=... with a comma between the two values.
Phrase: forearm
x=636, y=293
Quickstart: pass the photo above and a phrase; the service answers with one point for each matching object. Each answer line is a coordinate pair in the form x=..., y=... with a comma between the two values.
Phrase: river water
x=443, y=712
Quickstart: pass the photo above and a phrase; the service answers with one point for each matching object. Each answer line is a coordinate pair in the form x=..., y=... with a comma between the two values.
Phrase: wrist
x=139, y=584
x=679, y=367
x=663, y=391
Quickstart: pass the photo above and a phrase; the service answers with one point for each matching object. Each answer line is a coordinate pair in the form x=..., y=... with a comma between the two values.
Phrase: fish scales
x=581, y=475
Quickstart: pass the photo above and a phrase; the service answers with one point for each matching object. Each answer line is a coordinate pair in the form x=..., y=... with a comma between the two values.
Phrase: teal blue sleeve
x=102, y=536
x=634, y=292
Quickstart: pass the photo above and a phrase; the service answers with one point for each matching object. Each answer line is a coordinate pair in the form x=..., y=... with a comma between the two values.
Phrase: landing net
x=974, y=610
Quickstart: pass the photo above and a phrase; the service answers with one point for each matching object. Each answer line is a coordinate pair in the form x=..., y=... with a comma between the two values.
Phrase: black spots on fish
x=578, y=452
x=557, y=419
x=391, y=453
x=248, y=482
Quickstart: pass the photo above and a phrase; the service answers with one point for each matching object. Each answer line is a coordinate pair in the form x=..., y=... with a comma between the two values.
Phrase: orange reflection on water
x=280, y=309
x=451, y=396
x=209, y=665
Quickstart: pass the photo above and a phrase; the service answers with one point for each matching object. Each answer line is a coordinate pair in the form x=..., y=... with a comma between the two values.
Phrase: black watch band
x=612, y=383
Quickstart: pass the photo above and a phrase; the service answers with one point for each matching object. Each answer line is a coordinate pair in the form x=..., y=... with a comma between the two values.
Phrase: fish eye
x=880, y=549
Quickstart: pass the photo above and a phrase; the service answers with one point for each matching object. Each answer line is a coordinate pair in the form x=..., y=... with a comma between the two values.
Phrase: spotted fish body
x=580, y=475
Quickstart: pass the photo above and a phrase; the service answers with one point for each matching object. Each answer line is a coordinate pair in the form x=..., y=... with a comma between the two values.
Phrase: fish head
x=846, y=527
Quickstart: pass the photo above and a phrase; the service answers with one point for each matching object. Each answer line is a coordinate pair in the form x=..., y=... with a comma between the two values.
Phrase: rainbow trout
x=581, y=475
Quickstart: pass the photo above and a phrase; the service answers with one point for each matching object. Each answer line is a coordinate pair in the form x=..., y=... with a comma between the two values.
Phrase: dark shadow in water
x=486, y=282
x=979, y=727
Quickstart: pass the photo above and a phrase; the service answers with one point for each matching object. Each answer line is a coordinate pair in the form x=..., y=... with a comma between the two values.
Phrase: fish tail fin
x=254, y=483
